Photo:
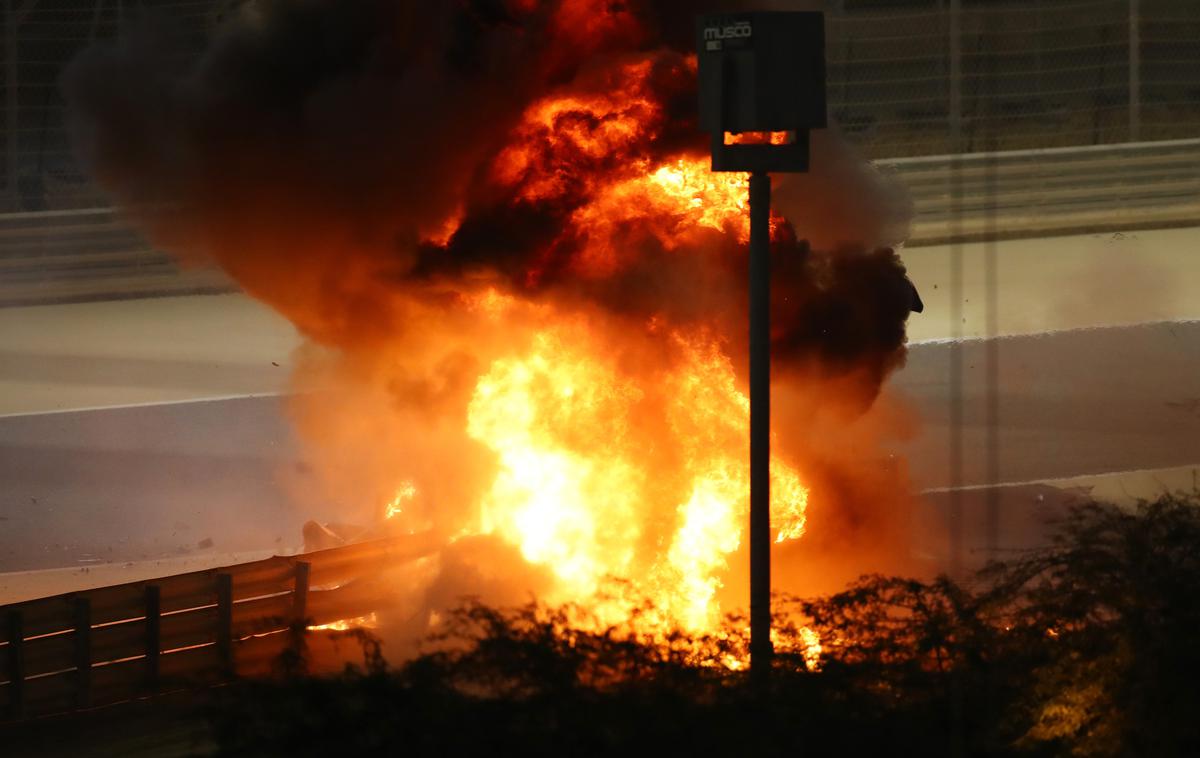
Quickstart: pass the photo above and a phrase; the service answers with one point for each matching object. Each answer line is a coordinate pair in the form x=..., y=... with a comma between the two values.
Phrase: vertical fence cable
x=955, y=457
x=991, y=422
x=957, y=737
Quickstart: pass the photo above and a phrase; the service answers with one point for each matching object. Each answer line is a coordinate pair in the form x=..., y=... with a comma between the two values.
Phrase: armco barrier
x=1042, y=193
x=89, y=254
x=92, y=254
x=112, y=644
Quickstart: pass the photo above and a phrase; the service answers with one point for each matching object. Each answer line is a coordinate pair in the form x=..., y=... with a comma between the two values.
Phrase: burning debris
x=524, y=291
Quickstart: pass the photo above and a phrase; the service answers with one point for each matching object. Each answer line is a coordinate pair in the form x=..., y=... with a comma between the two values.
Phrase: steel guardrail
x=112, y=644
x=94, y=254
x=1051, y=192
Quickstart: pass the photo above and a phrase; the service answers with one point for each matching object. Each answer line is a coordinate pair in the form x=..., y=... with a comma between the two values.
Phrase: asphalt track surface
x=1073, y=403
x=142, y=429
x=143, y=482
x=139, y=483
x=1113, y=410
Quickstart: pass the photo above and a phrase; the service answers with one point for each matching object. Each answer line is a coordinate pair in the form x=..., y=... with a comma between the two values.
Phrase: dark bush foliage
x=1086, y=647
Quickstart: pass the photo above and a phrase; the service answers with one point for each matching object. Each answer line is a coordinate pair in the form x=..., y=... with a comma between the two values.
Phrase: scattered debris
x=1189, y=405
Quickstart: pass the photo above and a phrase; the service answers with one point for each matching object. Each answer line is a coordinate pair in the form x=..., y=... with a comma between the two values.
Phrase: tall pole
x=760, y=426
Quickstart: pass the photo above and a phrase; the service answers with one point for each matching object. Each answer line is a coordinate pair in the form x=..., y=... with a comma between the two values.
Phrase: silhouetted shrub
x=1084, y=647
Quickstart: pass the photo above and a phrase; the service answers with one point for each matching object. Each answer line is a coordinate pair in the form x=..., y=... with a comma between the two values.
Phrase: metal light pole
x=760, y=422
x=762, y=85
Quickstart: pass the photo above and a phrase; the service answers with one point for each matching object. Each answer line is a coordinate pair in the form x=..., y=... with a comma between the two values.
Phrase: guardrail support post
x=16, y=664
x=225, y=624
x=83, y=652
x=300, y=592
x=296, y=658
x=153, y=634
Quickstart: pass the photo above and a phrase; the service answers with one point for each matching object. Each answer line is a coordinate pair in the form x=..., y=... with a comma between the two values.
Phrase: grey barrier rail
x=1050, y=192
x=89, y=254
x=92, y=254
x=113, y=644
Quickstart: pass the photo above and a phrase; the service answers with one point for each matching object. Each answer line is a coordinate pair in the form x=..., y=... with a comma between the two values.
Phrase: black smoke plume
x=315, y=147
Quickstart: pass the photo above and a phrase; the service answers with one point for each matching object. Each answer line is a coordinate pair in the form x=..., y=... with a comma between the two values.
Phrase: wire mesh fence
x=906, y=77
x=923, y=77
x=40, y=37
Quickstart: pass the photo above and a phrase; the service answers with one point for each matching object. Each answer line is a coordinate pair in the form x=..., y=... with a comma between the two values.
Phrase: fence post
x=296, y=658
x=153, y=634
x=225, y=624
x=11, y=102
x=955, y=34
x=16, y=664
x=300, y=591
x=1135, y=72
x=83, y=652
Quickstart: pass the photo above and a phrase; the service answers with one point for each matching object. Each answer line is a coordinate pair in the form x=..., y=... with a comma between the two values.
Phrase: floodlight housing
x=761, y=72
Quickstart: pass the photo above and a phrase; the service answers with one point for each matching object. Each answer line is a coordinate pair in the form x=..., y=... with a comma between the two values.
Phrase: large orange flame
x=576, y=490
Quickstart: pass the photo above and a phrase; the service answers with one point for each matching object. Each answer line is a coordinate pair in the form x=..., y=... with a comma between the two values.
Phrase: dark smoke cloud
x=316, y=143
